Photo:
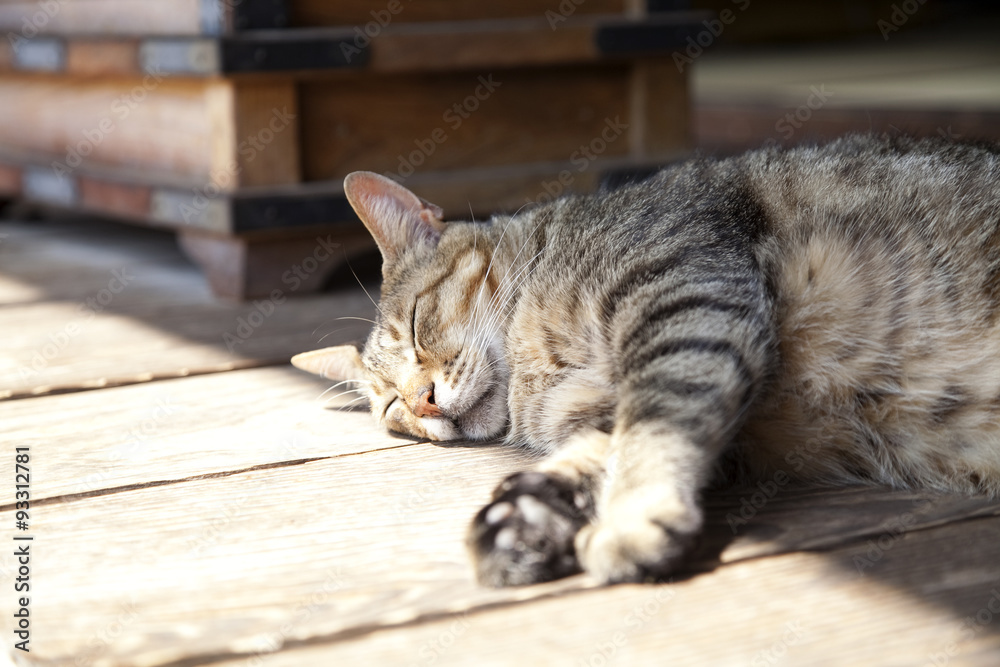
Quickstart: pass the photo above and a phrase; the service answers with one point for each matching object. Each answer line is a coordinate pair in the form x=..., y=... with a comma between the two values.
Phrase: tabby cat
x=839, y=304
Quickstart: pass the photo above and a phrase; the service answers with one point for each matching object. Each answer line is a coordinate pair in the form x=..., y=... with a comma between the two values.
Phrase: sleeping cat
x=842, y=301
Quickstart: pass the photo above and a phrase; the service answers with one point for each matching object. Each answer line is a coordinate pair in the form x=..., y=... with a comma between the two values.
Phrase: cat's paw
x=526, y=534
x=635, y=542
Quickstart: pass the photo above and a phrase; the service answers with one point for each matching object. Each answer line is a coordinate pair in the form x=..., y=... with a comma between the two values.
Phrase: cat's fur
x=832, y=312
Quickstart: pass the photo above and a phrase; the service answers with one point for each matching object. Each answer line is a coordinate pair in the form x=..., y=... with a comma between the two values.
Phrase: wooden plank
x=115, y=199
x=393, y=558
x=661, y=110
x=161, y=432
x=166, y=17
x=214, y=565
x=772, y=518
x=320, y=205
x=451, y=121
x=219, y=134
x=930, y=602
x=264, y=118
x=248, y=267
x=312, y=13
x=550, y=39
x=119, y=308
x=157, y=124
x=88, y=57
x=482, y=45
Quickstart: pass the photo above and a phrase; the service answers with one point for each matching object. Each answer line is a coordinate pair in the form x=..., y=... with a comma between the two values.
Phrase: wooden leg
x=243, y=267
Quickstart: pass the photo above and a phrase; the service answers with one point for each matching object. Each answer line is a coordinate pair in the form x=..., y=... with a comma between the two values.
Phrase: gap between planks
x=71, y=497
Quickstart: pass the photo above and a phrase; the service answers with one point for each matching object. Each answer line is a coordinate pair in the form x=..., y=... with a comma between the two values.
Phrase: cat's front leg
x=650, y=514
x=527, y=533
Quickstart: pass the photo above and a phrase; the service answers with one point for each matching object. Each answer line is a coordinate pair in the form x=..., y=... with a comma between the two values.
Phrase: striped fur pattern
x=832, y=312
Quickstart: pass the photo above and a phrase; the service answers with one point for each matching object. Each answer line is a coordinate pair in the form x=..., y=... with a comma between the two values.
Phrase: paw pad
x=526, y=534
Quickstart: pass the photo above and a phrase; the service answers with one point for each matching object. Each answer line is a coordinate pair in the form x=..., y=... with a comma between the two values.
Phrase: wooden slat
x=660, y=110
x=483, y=45
x=212, y=566
x=264, y=117
x=131, y=201
x=320, y=205
x=128, y=122
x=257, y=544
x=164, y=17
x=248, y=267
x=799, y=609
x=392, y=123
x=216, y=135
x=164, y=322
x=194, y=17
x=771, y=519
x=102, y=57
x=398, y=47
x=162, y=431
x=310, y=13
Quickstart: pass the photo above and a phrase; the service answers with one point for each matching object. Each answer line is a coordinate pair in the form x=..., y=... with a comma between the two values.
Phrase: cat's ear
x=334, y=363
x=397, y=218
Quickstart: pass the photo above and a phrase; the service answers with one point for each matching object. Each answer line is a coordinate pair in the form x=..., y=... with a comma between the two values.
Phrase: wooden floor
x=193, y=504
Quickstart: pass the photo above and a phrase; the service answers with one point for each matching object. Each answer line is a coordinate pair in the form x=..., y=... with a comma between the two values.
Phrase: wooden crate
x=239, y=137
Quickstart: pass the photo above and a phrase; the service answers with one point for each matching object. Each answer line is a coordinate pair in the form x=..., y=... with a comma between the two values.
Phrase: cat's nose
x=426, y=407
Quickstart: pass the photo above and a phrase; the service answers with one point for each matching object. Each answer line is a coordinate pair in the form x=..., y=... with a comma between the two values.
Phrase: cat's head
x=433, y=365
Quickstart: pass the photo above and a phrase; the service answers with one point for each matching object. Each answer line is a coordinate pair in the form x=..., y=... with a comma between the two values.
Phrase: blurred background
x=231, y=123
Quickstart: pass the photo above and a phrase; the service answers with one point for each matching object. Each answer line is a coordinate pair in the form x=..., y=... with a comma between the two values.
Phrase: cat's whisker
x=510, y=289
x=327, y=335
x=496, y=251
x=506, y=279
x=335, y=397
x=350, y=403
x=365, y=289
x=360, y=319
x=341, y=384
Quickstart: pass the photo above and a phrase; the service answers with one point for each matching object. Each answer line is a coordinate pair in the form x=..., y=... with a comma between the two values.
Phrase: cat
x=839, y=303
